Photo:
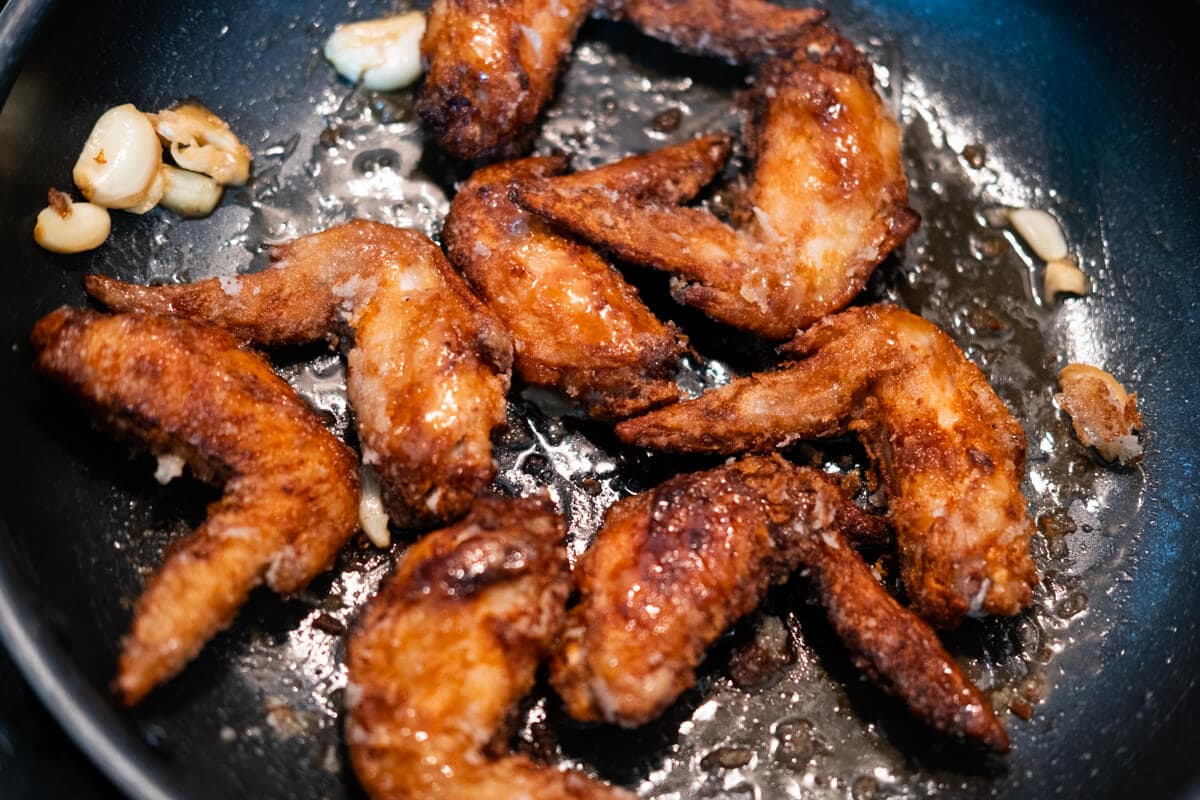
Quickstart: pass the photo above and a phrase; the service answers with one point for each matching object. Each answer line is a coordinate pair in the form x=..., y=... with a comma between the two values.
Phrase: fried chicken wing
x=894, y=647
x=491, y=67
x=674, y=567
x=950, y=454
x=442, y=655
x=829, y=202
x=428, y=370
x=291, y=489
x=738, y=30
x=576, y=324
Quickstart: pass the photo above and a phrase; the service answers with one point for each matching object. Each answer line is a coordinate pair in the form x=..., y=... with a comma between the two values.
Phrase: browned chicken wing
x=674, y=567
x=186, y=390
x=430, y=364
x=828, y=202
x=576, y=324
x=739, y=30
x=491, y=67
x=442, y=655
x=950, y=454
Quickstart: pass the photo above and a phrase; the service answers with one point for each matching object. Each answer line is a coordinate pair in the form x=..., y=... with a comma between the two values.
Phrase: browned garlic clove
x=201, y=141
x=1103, y=414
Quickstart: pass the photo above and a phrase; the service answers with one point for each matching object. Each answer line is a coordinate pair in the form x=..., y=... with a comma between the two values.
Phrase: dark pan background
x=1106, y=96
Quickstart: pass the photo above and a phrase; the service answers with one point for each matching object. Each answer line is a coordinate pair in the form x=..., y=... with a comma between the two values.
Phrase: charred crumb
x=796, y=743
x=985, y=321
x=975, y=155
x=1056, y=524
x=1022, y=708
x=667, y=121
x=1057, y=548
x=329, y=624
x=726, y=758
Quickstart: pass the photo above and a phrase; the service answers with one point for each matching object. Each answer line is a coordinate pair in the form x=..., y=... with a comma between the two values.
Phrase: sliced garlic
x=201, y=141
x=1040, y=231
x=119, y=165
x=384, y=54
x=190, y=194
x=371, y=514
x=67, y=227
x=1063, y=276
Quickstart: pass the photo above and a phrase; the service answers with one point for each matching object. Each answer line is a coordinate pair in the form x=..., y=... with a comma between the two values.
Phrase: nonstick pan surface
x=1091, y=114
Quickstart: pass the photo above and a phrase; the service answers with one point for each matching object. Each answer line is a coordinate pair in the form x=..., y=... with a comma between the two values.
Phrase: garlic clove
x=200, y=141
x=1040, y=231
x=119, y=165
x=1063, y=276
x=68, y=227
x=372, y=516
x=152, y=195
x=190, y=194
x=384, y=54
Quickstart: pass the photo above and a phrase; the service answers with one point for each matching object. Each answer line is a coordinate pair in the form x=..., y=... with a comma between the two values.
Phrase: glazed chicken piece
x=738, y=30
x=1103, y=414
x=828, y=202
x=192, y=391
x=443, y=654
x=428, y=370
x=672, y=568
x=950, y=454
x=576, y=324
x=491, y=66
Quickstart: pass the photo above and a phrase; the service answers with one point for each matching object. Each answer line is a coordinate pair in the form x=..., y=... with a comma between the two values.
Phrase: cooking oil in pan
x=778, y=711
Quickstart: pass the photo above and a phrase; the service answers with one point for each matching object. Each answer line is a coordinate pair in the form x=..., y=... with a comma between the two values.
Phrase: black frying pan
x=1096, y=104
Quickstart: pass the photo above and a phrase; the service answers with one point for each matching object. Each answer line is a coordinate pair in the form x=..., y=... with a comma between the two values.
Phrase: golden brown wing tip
x=47, y=329
x=132, y=684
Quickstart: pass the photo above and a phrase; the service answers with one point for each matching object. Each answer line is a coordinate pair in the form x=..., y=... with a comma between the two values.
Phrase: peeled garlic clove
x=384, y=54
x=119, y=165
x=372, y=516
x=68, y=227
x=201, y=141
x=190, y=194
x=152, y=195
x=1063, y=276
x=1040, y=231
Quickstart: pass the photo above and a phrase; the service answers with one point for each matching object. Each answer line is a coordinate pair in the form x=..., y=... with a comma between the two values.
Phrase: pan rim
x=55, y=680
x=84, y=711
x=42, y=661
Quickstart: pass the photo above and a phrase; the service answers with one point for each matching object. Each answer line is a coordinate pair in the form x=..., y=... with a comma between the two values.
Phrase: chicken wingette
x=949, y=452
x=194, y=392
x=428, y=369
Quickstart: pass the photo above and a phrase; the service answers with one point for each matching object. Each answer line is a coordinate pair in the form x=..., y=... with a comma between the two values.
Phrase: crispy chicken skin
x=1103, y=414
x=672, y=568
x=950, y=454
x=829, y=202
x=428, y=370
x=576, y=324
x=443, y=654
x=291, y=489
x=738, y=30
x=491, y=66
